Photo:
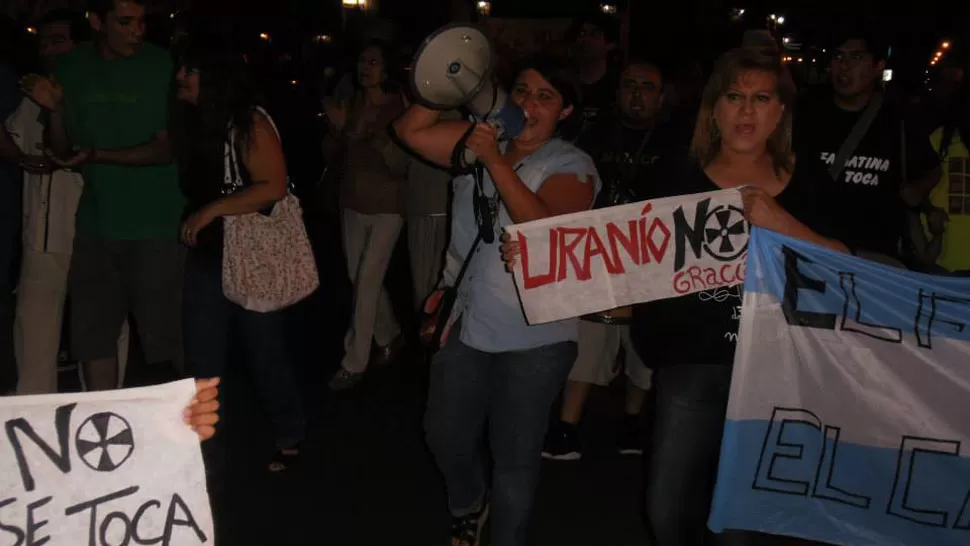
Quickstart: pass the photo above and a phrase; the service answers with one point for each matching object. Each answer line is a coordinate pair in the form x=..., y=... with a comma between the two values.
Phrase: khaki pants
x=37, y=329
x=427, y=239
x=369, y=241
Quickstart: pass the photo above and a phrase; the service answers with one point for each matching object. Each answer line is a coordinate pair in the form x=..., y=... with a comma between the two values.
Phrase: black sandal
x=285, y=459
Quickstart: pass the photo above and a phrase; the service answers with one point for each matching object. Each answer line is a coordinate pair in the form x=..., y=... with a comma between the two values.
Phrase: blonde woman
x=742, y=138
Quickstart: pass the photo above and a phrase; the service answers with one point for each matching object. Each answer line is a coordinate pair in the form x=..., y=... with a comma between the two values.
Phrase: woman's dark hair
x=227, y=97
x=388, y=57
x=561, y=73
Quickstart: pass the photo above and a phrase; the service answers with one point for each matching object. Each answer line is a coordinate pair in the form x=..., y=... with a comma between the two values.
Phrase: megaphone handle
x=469, y=157
x=461, y=157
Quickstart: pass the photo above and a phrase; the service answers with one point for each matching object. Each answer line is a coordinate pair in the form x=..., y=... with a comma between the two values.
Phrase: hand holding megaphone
x=454, y=67
x=482, y=144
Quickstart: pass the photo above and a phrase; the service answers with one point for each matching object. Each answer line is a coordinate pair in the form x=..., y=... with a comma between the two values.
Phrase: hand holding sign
x=102, y=468
x=202, y=413
x=763, y=211
x=510, y=251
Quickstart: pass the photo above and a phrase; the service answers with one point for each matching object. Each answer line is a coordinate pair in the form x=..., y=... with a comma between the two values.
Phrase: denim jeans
x=682, y=460
x=513, y=392
x=691, y=403
x=208, y=316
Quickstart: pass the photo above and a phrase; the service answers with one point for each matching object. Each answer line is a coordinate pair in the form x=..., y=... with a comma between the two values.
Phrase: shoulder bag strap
x=855, y=137
x=478, y=239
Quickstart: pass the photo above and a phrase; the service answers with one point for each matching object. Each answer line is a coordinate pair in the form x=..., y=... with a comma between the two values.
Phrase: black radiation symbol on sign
x=725, y=233
x=104, y=441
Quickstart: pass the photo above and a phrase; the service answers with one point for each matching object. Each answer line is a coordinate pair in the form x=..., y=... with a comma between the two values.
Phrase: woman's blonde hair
x=706, y=142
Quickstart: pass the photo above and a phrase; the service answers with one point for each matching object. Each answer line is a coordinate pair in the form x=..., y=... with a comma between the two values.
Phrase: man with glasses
x=875, y=177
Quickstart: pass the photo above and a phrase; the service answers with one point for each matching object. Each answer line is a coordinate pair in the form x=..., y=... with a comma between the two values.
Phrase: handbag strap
x=855, y=137
x=232, y=168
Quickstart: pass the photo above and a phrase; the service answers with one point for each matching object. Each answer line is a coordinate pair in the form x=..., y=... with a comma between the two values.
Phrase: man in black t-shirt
x=628, y=144
x=869, y=196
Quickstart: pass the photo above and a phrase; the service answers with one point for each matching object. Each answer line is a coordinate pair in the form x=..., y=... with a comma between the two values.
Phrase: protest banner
x=847, y=420
x=606, y=258
x=102, y=468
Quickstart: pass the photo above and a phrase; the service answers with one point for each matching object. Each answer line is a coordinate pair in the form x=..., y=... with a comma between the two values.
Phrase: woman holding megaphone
x=493, y=366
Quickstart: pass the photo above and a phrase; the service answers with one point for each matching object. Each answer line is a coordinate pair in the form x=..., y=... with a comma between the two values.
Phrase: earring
x=715, y=132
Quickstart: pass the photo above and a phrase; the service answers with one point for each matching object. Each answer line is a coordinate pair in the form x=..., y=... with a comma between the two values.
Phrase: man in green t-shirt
x=108, y=103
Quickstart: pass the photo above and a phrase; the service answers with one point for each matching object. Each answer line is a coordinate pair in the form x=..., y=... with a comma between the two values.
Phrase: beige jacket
x=50, y=200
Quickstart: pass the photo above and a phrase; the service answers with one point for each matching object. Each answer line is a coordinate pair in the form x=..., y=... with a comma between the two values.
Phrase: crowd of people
x=126, y=197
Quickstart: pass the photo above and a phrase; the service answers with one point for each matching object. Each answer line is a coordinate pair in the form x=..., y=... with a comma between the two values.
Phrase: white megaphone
x=454, y=67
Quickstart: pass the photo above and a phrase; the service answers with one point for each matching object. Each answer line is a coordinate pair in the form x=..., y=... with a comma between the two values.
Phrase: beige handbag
x=267, y=261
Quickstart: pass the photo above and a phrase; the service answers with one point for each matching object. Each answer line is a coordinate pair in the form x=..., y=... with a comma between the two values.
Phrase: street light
x=609, y=9
x=263, y=36
x=945, y=45
x=484, y=7
x=781, y=19
x=31, y=30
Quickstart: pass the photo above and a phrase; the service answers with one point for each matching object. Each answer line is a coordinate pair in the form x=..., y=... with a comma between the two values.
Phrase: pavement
x=366, y=477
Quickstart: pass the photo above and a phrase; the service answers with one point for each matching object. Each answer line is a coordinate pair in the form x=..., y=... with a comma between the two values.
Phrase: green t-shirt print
x=120, y=103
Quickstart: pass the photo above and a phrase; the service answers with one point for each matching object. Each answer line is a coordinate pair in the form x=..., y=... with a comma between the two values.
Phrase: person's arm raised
x=420, y=130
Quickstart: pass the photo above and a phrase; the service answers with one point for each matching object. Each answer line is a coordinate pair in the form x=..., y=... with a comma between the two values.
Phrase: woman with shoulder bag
x=232, y=168
x=494, y=366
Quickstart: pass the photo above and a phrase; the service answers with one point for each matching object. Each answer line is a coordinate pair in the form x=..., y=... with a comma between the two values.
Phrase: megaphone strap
x=459, y=167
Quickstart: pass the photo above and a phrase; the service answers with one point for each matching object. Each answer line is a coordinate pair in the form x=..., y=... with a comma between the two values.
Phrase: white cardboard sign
x=102, y=468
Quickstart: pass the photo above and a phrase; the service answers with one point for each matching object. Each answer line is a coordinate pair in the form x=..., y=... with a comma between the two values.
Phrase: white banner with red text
x=602, y=259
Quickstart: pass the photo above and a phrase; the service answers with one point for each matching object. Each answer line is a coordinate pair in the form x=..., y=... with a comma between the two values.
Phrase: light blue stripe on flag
x=777, y=477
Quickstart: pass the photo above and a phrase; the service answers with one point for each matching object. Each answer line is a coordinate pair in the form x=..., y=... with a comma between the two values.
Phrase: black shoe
x=562, y=443
x=383, y=355
x=630, y=436
x=467, y=530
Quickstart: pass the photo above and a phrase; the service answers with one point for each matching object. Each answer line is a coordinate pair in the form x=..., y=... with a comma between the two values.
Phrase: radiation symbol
x=725, y=233
x=104, y=441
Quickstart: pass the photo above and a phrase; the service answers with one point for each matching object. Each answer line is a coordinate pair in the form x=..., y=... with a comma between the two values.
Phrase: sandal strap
x=465, y=528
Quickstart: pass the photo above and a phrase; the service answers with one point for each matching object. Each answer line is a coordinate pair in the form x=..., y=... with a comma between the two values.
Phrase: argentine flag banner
x=849, y=415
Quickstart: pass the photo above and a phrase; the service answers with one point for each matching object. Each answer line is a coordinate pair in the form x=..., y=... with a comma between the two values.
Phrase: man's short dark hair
x=639, y=60
x=79, y=27
x=877, y=43
x=101, y=8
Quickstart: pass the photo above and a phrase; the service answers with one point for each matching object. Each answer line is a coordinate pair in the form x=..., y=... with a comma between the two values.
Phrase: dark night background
x=367, y=478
